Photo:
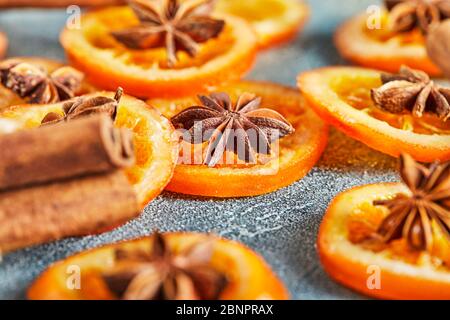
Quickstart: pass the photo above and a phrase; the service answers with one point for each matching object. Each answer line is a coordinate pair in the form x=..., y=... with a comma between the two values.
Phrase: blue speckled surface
x=281, y=226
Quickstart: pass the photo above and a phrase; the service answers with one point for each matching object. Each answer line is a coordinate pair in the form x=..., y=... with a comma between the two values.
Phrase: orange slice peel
x=341, y=96
x=298, y=152
x=143, y=73
x=155, y=145
x=389, y=274
x=249, y=276
x=275, y=22
x=377, y=48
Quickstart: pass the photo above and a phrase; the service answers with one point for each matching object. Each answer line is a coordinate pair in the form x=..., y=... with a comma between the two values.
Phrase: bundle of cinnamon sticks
x=64, y=180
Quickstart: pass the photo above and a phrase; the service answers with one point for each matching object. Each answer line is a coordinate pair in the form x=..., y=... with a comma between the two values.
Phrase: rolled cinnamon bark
x=72, y=207
x=87, y=146
x=57, y=3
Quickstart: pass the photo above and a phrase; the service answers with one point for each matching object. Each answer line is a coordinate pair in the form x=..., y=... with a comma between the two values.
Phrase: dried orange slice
x=341, y=96
x=9, y=98
x=297, y=153
x=3, y=44
x=248, y=274
x=275, y=21
x=391, y=273
x=155, y=146
x=145, y=73
x=381, y=49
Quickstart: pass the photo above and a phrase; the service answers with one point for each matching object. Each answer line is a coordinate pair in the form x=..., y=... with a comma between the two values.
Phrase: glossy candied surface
x=404, y=274
x=249, y=276
x=154, y=140
x=282, y=226
x=359, y=98
x=296, y=153
x=341, y=96
x=377, y=47
x=275, y=22
x=144, y=73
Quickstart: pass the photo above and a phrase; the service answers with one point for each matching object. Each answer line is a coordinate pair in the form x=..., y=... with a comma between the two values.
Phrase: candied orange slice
x=393, y=272
x=249, y=276
x=341, y=96
x=380, y=49
x=156, y=149
x=145, y=73
x=3, y=44
x=297, y=153
x=9, y=98
x=275, y=21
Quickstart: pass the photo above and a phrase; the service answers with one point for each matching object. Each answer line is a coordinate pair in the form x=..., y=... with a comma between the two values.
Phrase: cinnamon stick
x=57, y=3
x=64, y=180
x=86, y=146
x=73, y=207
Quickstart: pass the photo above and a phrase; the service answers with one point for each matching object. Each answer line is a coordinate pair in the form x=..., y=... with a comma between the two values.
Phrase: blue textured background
x=281, y=226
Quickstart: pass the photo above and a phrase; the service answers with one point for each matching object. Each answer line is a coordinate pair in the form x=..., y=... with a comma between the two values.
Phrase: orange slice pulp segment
x=248, y=274
x=403, y=273
x=145, y=73
x=368, y=42
x=341, y=96
x=297, y=153
x=275, y=21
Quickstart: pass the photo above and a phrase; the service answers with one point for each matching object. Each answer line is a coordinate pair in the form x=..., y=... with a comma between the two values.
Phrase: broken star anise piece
x=405, y=15
x=178, y=26
x=83, y=106
x=413, y=91
x=411, y=216
x=36, y=86
x=163, y=274
x=242, y=128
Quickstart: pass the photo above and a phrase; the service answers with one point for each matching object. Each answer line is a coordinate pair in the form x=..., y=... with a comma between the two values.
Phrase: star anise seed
x=82, y=106
x=411, y=216
x=177, y=26
x=242, y=128
x=405, y=15
x=163, y=274
x=412, y=91
x=36, y=86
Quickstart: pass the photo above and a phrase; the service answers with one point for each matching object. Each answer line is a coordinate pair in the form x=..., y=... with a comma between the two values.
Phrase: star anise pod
x=411, y=216
x=36, y=86
x=406, y=15
x=163, y=274
x=83, y=106
x=178, y=26
x=413, y=91
x=242, y=128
